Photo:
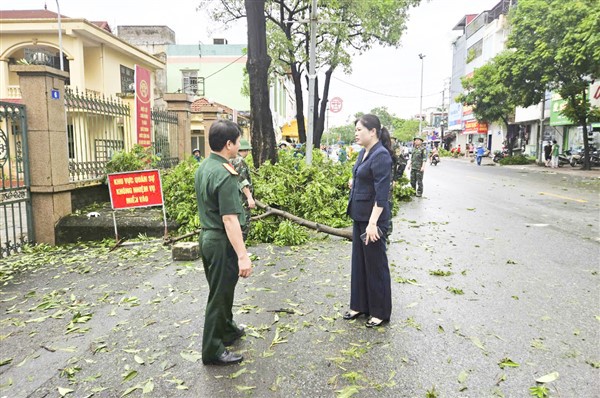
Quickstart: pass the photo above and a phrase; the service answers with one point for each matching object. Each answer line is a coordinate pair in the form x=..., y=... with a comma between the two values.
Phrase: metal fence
x=165, y=137
x=16, y=223
x=98, y=127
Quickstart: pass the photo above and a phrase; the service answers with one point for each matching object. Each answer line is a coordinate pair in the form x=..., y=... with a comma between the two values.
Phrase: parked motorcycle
x=563, y=158
x=499, y=155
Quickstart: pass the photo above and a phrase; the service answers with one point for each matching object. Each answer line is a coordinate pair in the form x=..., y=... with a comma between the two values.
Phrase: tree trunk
x=297, y=79
x=320, y=124
x=344, y=233
x=261, y=119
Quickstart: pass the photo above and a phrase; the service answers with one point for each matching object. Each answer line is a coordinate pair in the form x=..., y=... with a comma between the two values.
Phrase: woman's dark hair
x=222, y=131
x=372, y=122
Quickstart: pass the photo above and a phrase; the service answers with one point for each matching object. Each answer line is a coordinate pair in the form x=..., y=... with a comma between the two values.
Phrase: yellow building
x=98, y=61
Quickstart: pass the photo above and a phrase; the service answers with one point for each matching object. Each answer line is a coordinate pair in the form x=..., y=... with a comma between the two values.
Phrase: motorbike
x=498, y=155
x=563, y=159
x=435, y=159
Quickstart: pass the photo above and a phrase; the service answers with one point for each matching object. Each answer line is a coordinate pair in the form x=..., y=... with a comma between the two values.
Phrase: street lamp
x=421, y=100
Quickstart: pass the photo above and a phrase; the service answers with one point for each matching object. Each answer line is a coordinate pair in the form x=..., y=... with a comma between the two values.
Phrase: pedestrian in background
x=548, y=153
x=555, y=152
x=417, y=165
x=222, y=248
x=368, y=207
x=245, y=183
x=196, y=153
x=480, y=153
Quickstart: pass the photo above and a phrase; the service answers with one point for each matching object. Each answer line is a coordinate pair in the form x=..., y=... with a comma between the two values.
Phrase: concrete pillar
x=182, y=105
x=47, y=146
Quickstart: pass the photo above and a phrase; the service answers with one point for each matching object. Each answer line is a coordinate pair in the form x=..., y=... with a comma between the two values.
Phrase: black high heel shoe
x=348, y=315
x=371, y=324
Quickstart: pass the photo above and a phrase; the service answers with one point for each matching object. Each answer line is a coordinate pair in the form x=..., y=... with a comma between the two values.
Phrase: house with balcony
x=482, y=37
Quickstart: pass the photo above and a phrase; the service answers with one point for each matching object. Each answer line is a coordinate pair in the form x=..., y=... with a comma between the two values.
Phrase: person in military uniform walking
x=245, y=183
x=417, y=165
x=222, y=248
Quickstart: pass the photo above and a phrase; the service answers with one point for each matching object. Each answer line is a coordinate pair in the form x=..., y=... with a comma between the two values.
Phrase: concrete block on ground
x=185, y=251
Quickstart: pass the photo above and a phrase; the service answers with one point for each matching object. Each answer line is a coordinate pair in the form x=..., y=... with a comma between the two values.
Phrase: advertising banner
x=474, y=127
x=142, y=106
x=455, y=116
x=135, y=189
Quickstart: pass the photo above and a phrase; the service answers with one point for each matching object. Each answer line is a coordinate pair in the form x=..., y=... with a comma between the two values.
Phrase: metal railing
x=97, y=127
x=16, y=223
x=165, y=137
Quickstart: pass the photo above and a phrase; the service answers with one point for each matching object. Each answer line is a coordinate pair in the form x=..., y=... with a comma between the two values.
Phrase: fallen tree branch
x=344, y=233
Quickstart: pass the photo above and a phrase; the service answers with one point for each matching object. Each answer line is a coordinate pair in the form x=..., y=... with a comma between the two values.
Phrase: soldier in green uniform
x=224, y=254
x=245, y=183
x=417, y=165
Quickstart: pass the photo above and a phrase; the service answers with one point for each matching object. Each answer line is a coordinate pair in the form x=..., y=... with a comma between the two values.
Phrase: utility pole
x=311, y=81
x=60, y=46
x=421, y=101
x=442, y=118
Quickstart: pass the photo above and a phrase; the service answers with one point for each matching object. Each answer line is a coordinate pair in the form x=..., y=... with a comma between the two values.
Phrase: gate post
x=182, y=105
x=43, y=93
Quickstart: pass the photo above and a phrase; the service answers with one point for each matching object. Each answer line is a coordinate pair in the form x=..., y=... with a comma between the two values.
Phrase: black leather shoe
x=241, y=333
x=372, y=324
x=226, y=358
x=350, y=316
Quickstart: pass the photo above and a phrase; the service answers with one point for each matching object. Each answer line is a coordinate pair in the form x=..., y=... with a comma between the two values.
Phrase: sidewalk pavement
x=565, y=170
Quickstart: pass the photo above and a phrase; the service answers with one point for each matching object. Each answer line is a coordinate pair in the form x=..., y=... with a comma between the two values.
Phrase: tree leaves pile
x=180, y=195
x=318, y=193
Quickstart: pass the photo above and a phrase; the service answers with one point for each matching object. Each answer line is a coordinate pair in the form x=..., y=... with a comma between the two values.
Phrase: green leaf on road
x=129, y=375
x=148, y=387
x=507, y=363
x=238, y=373
x=347, y=392
x=64, y=391
x=550, y=377
x=139, y=359
x=462, y=376
x=192, y=356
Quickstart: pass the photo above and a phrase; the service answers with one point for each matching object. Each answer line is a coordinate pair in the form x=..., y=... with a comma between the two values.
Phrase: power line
x=382, y=94
x=226, y=66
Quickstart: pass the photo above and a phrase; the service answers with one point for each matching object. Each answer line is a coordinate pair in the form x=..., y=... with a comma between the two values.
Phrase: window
x=475, y=51
x=127, y=80
x=191, y=83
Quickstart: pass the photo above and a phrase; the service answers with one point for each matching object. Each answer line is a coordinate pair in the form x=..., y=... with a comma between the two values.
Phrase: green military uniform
x=245, y=180
x=398, y=166
x=418, y=158
x=217, y=190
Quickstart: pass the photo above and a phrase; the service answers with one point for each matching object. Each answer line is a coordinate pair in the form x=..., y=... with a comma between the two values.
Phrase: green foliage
x=318, y=192
x=539, y=392
x=555, y=45
x=180, y=195
x=516, y=159
x=443, y=152
x=487, y=92
x=138, y=158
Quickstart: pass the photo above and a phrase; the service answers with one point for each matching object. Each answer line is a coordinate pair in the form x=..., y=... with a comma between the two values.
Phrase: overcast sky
x=393, y=74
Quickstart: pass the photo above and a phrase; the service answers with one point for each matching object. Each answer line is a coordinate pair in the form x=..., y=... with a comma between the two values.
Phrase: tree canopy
x=347, y=28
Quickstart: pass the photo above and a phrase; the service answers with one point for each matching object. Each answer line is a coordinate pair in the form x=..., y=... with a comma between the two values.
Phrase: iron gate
x=16, y=224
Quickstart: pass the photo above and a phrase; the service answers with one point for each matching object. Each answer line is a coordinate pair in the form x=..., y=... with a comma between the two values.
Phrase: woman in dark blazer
x=369, y=208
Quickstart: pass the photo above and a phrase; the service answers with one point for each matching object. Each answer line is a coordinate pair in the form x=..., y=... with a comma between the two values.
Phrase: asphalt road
x=495, y=284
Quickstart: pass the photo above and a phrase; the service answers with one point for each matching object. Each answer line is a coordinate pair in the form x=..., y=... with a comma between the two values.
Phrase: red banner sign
x=142, y=106
x=474, y=127
x=135, y=189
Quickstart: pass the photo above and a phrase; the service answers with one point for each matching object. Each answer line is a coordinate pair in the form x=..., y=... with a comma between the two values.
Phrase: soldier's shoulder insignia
x=230, y=169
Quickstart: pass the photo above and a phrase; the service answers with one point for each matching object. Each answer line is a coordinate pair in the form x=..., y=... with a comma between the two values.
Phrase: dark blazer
x=371, y=184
